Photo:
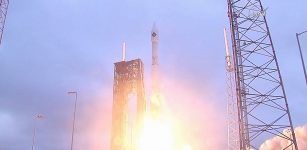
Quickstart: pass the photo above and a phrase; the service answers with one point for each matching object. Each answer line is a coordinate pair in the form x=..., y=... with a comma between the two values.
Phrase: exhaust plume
x=278, y=143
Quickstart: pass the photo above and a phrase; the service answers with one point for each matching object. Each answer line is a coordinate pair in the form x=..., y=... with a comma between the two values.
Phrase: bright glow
x=186, y=147
x=157, y=135
x=161, y=131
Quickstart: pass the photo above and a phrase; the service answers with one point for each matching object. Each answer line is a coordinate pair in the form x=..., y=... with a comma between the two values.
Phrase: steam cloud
x=278, y=143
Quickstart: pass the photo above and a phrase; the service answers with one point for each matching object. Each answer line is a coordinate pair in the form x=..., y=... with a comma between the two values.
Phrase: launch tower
x=128, y=78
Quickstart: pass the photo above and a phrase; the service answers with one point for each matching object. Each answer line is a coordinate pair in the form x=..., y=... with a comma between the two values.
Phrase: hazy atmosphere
x=50, y=47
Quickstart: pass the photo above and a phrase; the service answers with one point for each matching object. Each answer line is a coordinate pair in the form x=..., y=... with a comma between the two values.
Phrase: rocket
x=155, y=102
x=155, y=64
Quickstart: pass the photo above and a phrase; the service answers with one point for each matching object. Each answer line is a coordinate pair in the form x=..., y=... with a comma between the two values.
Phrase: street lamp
x=73, y=124
x=301, y=53
x=38, y=116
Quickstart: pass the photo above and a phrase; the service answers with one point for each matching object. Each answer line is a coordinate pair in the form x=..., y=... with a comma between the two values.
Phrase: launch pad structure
x=128, y=78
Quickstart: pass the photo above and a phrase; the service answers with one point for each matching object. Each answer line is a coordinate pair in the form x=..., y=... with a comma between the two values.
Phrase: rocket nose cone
x=154, y=28
x=154, y=33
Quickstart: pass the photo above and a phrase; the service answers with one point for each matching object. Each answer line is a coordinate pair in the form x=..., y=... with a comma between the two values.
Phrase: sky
x=52, y=47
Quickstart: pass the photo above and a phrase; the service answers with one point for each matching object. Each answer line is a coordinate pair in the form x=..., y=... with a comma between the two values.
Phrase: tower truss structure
x=3, y=11
x=232, y=109
x=263, y=110
x=128, y=78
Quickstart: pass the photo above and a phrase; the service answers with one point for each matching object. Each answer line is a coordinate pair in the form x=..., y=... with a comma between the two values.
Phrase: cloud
x=278, y=143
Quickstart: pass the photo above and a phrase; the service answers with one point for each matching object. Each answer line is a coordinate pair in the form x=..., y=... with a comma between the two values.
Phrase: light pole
x=301, y=53
x=39, y=116
x=73, y=124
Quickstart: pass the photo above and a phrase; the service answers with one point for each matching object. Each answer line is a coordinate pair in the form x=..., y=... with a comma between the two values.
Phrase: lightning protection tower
x=263, y=110
x=232, y=109
x=3, y=11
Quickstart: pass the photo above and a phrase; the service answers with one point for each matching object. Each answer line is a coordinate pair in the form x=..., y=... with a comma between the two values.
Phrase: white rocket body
x=155, y=58
x=155, y=95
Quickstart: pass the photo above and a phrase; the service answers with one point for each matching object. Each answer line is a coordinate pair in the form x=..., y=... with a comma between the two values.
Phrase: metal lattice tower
x=232, y=109
x=263, y=110
x=3, y=11
x=128, y=78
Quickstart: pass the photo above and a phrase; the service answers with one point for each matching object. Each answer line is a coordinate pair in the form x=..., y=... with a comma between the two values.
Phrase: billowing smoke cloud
x=278, y=143
x=195, y=112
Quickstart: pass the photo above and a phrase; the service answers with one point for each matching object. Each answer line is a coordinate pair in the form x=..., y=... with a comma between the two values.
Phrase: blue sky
x=51, y=47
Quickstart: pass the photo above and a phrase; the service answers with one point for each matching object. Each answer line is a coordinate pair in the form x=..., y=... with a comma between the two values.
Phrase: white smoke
x=278, y=143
